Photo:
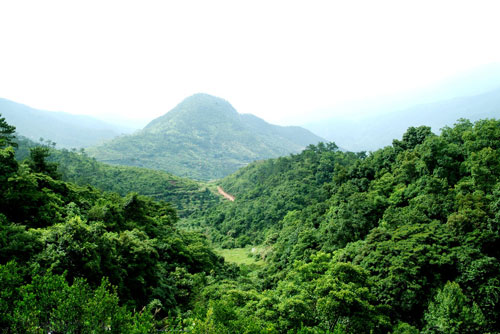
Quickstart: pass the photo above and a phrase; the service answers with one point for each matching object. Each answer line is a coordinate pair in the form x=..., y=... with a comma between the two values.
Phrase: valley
x=380, y=241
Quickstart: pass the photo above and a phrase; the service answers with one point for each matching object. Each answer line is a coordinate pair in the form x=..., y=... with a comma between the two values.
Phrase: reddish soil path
x=225, y=194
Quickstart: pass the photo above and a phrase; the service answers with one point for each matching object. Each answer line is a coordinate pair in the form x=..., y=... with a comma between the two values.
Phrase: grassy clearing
x=241, y=255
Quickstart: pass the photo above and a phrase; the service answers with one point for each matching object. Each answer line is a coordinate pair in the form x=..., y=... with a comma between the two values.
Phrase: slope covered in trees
x=187, y=196
x=405, y=239
x=77, y=260
x=267, y=190
x=204, y=138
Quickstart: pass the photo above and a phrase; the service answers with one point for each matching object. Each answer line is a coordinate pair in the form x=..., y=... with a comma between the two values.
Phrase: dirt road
x=225, y=194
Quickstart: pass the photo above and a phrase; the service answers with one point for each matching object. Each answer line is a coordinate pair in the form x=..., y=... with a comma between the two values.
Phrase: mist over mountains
x=371, y=124
x=374, y=132
x=66, y=130
x=204, y=137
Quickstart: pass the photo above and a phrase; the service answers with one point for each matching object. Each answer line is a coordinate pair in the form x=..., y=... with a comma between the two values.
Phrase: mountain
x=371, y=133
x=203, y=137
x=66, y=130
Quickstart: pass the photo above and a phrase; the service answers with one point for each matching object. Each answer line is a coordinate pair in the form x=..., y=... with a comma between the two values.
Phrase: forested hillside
x=405, y=239
x=187, y=196
x=203, y=138
x=402, y=240
x=267, y=190
x=77, y=260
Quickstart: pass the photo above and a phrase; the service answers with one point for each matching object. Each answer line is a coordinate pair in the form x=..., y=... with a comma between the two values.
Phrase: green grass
x=240, y=255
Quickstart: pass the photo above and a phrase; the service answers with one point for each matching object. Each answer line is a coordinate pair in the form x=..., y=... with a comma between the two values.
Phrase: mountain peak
x=205, y=100
x=197, y=110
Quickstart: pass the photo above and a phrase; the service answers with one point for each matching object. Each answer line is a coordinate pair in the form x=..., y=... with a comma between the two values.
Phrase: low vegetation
x=246, y=256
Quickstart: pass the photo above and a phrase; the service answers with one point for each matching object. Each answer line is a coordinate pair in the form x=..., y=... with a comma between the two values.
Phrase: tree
x=10, y=280
x=6, y=133
x=344, y=298
x=51, y=304
x=38, y=162
x=413, y=137
x=451, y=313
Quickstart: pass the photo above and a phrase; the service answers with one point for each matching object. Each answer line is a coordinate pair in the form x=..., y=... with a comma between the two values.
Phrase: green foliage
x=451, y=313
x=412, y=137
x=187, y=196
x=7, y=131
x=11, y=279
x=85, y=259
x=266, y=191
x=409, y=217
x=404, y=328
x=344, y=298
x=50, y=304
x=404, y=240
x=39, y=164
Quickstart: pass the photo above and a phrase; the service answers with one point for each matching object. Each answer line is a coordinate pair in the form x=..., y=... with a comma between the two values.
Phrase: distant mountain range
x=372, y=124
x=203, y=137
x=66, y=130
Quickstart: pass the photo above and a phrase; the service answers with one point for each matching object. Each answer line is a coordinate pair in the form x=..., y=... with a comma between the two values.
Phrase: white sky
x=279, y=60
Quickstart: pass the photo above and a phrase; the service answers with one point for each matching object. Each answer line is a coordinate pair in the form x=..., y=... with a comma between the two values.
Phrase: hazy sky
x=280, y=60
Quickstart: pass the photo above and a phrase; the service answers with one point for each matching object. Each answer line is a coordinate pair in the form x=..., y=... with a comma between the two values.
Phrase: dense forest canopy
x=405, y=239
x=66, y=249
x=417, y=222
